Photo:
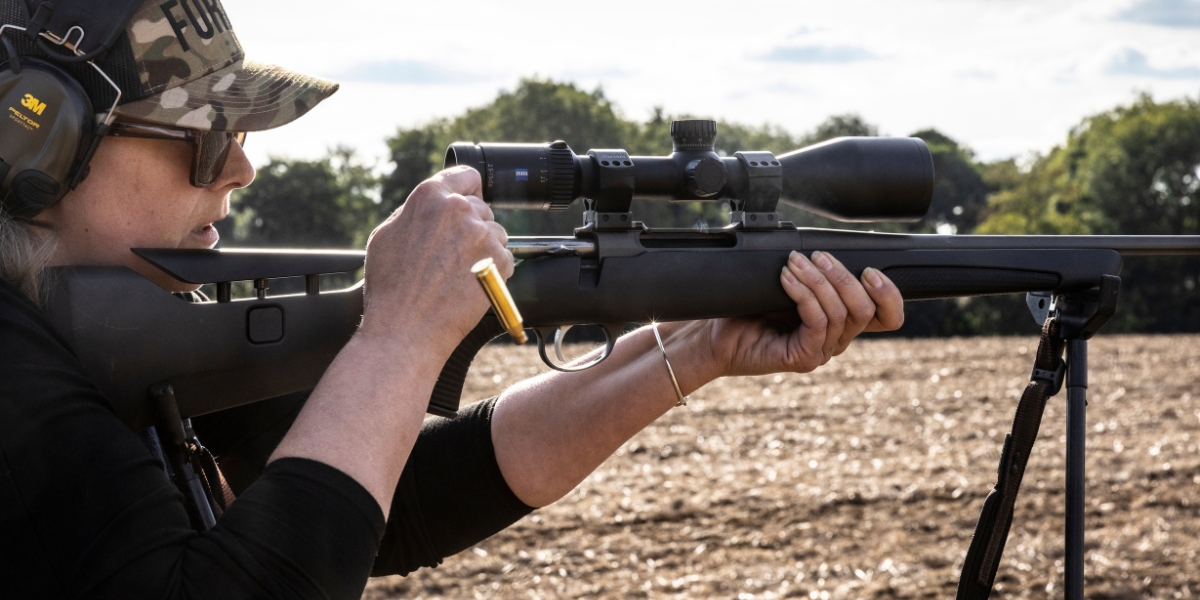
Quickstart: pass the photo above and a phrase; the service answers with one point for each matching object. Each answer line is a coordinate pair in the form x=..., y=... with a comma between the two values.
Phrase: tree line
x=1134, y=169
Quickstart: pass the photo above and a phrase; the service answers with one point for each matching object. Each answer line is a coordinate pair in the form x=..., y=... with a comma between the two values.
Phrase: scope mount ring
x=754, y=207
x=555, y=335
x=607, y=206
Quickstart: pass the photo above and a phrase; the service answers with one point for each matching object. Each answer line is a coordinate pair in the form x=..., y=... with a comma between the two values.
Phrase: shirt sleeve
x=87, y=512
x=451, y=495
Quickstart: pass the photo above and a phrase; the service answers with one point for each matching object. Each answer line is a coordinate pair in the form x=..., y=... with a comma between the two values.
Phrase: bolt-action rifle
x=140, y=343
x=610, y=272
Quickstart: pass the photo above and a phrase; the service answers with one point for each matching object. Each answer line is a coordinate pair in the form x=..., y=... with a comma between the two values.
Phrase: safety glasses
x=210, y=149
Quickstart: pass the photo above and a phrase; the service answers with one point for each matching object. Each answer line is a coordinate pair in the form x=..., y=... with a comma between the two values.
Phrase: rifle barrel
x=834, y=239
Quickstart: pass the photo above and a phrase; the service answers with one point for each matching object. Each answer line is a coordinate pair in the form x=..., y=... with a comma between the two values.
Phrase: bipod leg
x=1076, y=448
x=1081, y=315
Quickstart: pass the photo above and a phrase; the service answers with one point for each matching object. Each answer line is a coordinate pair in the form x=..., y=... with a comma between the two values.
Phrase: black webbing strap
x=991, y=533
x=102, y=22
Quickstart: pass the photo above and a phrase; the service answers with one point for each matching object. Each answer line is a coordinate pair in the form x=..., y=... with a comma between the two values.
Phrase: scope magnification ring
x=562, y=176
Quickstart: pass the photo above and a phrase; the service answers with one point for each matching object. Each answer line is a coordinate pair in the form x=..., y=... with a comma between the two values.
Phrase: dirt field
x=862, y=480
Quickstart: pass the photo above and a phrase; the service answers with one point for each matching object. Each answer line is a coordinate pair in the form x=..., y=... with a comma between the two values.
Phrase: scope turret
x=847, y=179
x=693, y=135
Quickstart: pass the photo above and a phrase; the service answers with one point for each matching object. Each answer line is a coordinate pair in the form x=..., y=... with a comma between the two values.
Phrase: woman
x=346, y=480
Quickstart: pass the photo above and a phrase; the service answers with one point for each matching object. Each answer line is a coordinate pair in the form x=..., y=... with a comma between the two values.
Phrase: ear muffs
x=46, y=127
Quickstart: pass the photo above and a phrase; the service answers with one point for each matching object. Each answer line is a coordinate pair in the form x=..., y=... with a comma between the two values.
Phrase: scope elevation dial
x=693, y=136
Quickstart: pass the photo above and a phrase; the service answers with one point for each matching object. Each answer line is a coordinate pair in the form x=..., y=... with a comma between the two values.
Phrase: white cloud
x=1003, y=77
x=1132, y=62
x=407, y=72
x=819, y=54
x=1166, y=13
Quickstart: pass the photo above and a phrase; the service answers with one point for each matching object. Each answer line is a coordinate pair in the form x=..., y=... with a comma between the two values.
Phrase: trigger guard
x=611, y=332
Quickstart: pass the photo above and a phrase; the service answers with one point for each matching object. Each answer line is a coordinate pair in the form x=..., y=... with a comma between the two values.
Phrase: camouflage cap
x=194, y=74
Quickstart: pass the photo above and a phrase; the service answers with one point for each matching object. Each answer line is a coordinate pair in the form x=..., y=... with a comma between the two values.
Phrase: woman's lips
x=207, y=234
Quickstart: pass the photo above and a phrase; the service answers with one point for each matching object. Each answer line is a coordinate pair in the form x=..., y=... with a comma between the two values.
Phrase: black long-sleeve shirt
x=87, y=512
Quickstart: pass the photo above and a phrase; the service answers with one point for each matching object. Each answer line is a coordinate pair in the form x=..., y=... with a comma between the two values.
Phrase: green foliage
x=413, y=152
x=1139, y=168
x=840, y=126
x=1039, y=203
x=328, y=203
x=1131, y=170
x=959, y=192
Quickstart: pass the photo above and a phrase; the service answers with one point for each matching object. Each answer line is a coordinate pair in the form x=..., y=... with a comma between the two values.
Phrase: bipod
x=1068, y=321
x=1081, y=315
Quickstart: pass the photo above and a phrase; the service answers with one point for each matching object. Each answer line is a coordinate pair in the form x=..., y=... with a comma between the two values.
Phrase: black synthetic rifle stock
x=131, y=335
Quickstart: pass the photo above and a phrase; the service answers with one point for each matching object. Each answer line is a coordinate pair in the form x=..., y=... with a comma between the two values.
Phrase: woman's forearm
x=364, y=416
x=551, y=431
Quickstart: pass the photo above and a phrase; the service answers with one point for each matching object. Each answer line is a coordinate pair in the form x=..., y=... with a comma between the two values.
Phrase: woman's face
x=138, y=195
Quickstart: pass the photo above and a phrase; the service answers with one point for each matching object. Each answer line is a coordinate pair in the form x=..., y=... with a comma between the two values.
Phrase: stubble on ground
x=861, y=480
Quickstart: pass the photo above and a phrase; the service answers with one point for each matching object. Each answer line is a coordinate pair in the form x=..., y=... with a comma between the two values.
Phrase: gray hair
x=24, y=253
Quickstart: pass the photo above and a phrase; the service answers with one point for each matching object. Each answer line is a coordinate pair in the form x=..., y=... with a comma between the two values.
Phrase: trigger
x=558, y=340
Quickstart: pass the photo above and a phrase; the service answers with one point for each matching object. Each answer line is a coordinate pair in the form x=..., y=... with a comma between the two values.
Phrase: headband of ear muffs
x=46, y=130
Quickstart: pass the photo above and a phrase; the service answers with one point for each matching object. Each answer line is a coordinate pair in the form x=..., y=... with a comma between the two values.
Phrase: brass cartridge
x=493, y=285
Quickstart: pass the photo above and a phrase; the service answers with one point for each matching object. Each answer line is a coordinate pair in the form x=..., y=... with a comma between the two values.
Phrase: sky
x=1006, y=77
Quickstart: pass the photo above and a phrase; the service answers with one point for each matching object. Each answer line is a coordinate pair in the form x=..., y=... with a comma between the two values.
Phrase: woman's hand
x=833, y=306
x=551, y=431
x=418, y=276
x=364, y=415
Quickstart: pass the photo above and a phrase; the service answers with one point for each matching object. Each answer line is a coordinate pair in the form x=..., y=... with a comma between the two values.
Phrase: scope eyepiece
x=521, y=176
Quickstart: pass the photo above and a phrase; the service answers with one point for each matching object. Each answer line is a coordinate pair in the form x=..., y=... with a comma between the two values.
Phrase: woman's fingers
x=860, y=308
x=502, y=256
x=813, y=323
x=814, y=277
x=444, y=227
x=461, y=180
x=889, y=304
x=481, y=208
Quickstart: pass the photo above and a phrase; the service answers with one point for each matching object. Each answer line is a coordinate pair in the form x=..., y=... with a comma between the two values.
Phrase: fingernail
x=787, y=274
x=799, y=260
x=822, y=260
x=872, y=277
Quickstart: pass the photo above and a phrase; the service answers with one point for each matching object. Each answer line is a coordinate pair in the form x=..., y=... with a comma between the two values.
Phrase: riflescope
x=847, y=179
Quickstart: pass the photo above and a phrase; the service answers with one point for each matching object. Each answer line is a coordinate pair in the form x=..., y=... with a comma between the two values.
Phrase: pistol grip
x=447, y=392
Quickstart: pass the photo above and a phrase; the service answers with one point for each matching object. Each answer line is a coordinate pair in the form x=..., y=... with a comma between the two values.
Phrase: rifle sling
x=991, y=533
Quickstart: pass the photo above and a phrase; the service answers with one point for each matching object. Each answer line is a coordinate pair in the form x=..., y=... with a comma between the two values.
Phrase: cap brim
x=245, y=96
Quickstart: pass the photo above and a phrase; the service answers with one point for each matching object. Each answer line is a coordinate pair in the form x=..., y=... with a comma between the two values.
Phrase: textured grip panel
x=926, y=283
x=448, y=390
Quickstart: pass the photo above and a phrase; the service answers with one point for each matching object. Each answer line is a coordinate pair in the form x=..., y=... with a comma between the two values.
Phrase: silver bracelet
x=682, y=400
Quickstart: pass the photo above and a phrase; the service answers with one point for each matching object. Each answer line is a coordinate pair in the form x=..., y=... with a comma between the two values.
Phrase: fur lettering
x=207, y=31
x=218, y=15
x=177, y=25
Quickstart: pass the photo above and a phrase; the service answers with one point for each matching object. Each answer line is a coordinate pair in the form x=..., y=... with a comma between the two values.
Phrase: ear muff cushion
x=37, y=191
x=47, y=123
